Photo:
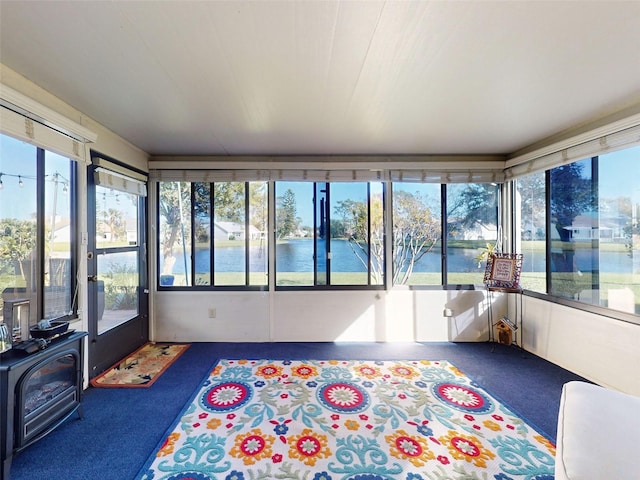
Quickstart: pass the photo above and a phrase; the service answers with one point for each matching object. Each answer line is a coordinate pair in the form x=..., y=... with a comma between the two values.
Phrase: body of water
x=296, y=255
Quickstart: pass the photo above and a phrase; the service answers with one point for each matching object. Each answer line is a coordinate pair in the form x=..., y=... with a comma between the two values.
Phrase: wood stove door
x=116, y=245
x=46, y=393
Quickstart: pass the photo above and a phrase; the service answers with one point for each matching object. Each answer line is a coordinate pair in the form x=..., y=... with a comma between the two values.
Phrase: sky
x=623, y=179
x=17, y=158
x=18, y=162
x=340, y=191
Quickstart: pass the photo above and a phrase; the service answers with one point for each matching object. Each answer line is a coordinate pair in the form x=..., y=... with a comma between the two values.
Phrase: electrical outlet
x=212, y=312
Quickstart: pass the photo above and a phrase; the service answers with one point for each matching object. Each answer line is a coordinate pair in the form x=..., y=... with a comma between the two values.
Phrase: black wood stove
x=38, y=392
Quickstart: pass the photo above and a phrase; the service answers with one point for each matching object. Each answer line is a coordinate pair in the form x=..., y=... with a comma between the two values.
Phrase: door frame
x=105, y=349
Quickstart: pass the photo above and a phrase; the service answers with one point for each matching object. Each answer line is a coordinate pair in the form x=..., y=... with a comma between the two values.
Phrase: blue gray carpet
x=122, y=427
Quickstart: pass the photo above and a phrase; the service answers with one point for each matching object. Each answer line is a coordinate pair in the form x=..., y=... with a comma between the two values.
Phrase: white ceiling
x=329, y=77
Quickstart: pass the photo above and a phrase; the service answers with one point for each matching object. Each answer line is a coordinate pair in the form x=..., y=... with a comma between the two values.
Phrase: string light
x=111, y=194
x=57, y=178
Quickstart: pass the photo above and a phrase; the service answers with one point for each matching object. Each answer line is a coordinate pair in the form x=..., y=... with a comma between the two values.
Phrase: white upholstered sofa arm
x=598, y=434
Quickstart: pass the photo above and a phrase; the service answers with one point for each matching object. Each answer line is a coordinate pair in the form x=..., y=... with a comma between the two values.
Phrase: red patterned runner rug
x=142, y=368
x=347, y=420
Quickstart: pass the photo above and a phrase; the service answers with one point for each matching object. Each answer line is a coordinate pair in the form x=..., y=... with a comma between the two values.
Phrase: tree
x=286, y=220
x=174, y=209
x=631, y=233
x=531, y=189
x=228, y=201
x=258, y=211
x=352, y=222
x=363, y=233
x=416, y=230
x=337, y=229
x=472, y=203
x=17, y=242
x=571, y=194
x=116, y=224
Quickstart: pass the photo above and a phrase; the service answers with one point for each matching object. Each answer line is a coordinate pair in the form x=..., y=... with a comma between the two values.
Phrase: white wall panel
x=184, y=317
x=424, y=311
x=601, y=349
x=327, y=316
x=468, y=322
x=321, y=316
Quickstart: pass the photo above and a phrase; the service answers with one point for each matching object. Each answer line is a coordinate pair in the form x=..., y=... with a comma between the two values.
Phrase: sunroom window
x=579, y=232
x=594, y=232
x=417, y=234
x=213, y=234
x=531, y=228
x=472, y=227
x=37, y=229
x=329, y=233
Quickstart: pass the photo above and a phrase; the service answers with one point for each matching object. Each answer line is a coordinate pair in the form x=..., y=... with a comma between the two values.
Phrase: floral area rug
x=142, y=368
x=347, y=420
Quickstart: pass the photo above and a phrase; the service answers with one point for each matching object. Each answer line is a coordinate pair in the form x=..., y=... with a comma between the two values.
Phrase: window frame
x=38, y=310
x=192, y=242
x=595, y=165
x=506, y=220
x=328, y=270
x=386, y=188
